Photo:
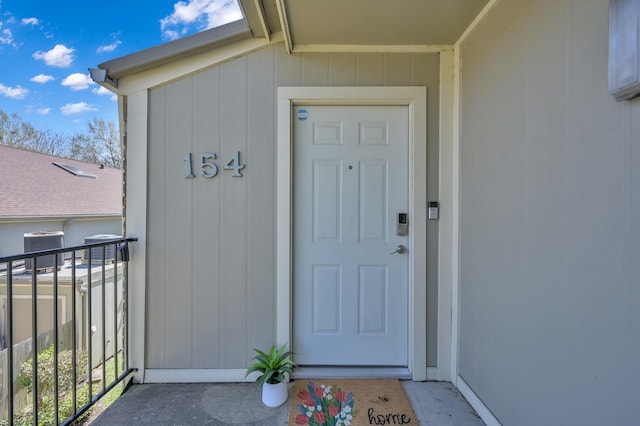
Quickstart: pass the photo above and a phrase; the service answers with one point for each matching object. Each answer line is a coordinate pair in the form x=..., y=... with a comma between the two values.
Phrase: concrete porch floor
x=435, y=404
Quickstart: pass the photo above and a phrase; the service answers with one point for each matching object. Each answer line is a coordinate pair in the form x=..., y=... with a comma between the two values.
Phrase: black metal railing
x=63, y=331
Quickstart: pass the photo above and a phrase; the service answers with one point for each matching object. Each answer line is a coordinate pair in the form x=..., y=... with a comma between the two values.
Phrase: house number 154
x=209, y=169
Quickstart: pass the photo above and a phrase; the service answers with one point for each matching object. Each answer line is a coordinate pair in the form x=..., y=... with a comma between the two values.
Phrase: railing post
x=115, y=310
x=10, y=338
x=56, y=345
x=104, y=319
x=125, y=308
x=89, y=326
x=74, y=327
x=34, y=337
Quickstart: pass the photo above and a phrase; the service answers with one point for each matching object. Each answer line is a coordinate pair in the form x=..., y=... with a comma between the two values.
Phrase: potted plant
x=274, y=367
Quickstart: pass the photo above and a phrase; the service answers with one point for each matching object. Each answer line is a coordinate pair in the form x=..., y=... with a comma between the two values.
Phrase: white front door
x=351, y=180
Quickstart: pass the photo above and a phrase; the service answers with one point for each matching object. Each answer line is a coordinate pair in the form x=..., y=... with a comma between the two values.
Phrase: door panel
x=373, y=201
x=327, y=202
x=350, y=294
x=327, y=288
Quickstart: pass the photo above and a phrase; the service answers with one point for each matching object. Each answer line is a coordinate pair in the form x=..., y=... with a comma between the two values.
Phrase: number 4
x=234, y=164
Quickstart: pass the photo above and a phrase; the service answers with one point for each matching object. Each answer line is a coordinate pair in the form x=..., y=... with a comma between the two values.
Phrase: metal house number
x=209, y=169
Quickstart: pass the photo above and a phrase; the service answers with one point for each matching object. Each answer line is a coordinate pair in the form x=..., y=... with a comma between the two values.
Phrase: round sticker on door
x=303, y=114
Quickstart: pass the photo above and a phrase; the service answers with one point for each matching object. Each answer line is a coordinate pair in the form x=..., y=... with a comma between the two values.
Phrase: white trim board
x=485, y=414
x=446, y=222
x=371, y=48
x=135, y=135
x=455, y=184
x=347, y=372
x=416, y=99
x=169, y=375
x=166, y=73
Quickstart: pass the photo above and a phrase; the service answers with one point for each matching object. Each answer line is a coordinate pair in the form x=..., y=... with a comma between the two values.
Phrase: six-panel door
x=350, y=293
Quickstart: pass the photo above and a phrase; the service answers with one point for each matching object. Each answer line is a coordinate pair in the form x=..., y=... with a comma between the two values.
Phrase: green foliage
x=46, y=371
x=46, y=382
x=46, y=413
x=46, y=397
x=272, y=365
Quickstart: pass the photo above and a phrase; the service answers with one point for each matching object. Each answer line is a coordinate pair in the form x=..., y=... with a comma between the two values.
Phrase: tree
x=101, y=145
x=20, y=134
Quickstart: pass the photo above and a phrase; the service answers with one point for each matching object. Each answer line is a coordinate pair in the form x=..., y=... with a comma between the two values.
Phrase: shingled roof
x=33, y=186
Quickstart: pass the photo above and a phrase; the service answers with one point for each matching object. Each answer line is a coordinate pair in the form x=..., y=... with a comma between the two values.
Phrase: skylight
x=75, y=170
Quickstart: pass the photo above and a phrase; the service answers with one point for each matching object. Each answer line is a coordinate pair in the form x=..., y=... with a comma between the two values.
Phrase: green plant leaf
x=273, y=365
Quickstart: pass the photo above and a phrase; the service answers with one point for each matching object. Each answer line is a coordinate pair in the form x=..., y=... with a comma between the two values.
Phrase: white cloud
x=77, y=108
x=43, y=111
x=6, y=36
x=199, y=15
x=171, y=35
x=60, y=56
x=109, y=47
x=42, y=78
x=102, y=91
x=77, y=81
x=220, y=15
x=18, y=92
x=30, y=21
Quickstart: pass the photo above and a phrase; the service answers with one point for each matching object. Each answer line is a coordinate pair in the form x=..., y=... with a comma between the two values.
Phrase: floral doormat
x=350, y=402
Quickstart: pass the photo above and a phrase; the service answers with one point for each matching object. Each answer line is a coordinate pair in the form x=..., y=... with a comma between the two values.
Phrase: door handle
x=399, y=250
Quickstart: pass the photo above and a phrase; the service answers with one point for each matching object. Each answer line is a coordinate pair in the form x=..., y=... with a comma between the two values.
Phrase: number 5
x=209, y=169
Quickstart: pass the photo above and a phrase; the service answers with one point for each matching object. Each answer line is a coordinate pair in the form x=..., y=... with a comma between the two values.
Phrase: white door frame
x=415, y=98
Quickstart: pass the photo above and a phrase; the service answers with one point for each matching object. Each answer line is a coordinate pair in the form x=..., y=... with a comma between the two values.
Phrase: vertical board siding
x=369, y=69
x=260, y=160
x=233, y=215
x=156, y=225
x=206, y=307
x=549, y=245
x=211, y=261
x=178, y=227
x=342, y=69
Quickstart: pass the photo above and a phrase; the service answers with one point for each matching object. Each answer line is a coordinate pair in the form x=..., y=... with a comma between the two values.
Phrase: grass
x=106, y=400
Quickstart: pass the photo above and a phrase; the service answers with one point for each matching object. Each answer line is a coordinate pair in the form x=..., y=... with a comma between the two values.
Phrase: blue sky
x=47, y=47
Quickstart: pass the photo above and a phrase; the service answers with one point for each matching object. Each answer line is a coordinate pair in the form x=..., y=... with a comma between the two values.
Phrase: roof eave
x=167, y=52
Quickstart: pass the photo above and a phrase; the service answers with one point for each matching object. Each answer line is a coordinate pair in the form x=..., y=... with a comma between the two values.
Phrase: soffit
x=378, y=22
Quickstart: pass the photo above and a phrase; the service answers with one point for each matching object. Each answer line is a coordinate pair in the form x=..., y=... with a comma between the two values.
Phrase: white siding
x=211, y=242
x=550, y=175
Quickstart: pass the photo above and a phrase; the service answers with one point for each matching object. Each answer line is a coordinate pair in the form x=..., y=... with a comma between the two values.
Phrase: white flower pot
x=274, y=395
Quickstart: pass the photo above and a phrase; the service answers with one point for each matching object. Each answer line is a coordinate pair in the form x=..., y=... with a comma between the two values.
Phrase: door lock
x=402, y=225
x=399, y=250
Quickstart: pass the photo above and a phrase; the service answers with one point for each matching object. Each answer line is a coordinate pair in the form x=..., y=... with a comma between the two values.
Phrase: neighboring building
x=273, y=162
x=38, y=195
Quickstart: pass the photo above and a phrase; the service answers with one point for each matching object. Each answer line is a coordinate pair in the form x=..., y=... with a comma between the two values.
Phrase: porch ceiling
x=309, y=25
x=371, y=22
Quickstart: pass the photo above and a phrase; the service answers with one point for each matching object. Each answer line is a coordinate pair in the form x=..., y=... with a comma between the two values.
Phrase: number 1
x=188, y=172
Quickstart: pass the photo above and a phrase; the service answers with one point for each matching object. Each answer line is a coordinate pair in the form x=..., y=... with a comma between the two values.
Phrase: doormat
x=354, y=402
